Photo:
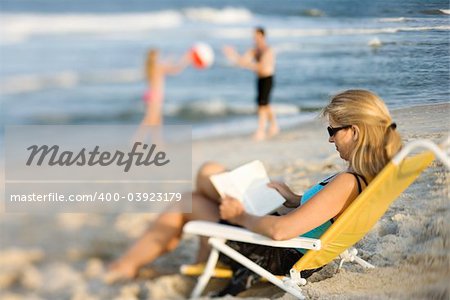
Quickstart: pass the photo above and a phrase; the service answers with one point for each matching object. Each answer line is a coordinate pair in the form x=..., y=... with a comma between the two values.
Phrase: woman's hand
x=186, y=59
x=231, y=209
x=292, y=200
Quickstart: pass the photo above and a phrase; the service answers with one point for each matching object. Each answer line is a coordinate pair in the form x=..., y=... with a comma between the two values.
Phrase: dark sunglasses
x=332, y=131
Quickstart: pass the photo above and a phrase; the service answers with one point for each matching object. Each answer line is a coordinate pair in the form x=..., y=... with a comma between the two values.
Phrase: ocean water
x=81, y=62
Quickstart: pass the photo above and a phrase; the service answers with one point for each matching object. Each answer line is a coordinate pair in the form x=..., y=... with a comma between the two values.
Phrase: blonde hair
x=378, y=141
x=152, y=57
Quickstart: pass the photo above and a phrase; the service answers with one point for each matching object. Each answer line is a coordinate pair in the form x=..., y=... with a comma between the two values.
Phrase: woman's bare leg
x=153, y=114
x=203, y=183
x=164, y=234
x=206, y=210
x=205, y=188
x=152, y=117
x=152, y=244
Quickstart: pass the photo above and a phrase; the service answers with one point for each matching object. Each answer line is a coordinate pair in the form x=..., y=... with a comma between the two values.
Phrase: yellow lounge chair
x=348, y=229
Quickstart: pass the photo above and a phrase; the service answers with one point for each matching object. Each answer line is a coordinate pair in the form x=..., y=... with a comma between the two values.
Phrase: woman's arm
x=174, y=69
x=325, y=205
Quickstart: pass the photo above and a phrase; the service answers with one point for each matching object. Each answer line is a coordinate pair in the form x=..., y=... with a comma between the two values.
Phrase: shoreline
x=289, y=128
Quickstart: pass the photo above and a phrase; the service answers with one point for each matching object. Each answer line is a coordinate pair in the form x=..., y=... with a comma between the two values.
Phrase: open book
x=248, y=183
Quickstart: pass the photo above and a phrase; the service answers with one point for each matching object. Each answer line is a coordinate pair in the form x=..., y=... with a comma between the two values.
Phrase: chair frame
x=220, y=233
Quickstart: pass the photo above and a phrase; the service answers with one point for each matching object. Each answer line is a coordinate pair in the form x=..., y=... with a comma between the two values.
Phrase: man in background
x=261, y=60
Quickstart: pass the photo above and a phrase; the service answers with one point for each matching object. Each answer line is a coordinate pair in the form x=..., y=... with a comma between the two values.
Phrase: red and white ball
x=202, y=55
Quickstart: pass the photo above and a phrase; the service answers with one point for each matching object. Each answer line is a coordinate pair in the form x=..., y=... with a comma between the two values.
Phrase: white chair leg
x=286, y=285
x=203, y=280
x=351, y=255
x=363, y=263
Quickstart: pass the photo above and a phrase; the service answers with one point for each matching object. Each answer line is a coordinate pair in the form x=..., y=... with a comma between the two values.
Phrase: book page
x=246, y=175
x=261, y=199
x=251, y=180
x=248, y=183
x=225, y=186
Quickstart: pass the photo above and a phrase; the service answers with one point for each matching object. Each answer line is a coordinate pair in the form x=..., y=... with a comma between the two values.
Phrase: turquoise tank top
x=318, y=231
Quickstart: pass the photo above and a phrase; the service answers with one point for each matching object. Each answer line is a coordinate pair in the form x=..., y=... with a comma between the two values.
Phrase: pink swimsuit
x=152, y=95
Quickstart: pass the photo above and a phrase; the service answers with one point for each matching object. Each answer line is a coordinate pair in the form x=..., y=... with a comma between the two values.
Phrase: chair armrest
x=238, y=234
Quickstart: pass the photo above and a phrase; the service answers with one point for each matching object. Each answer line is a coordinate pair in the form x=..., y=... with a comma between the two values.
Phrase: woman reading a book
x=364, y=134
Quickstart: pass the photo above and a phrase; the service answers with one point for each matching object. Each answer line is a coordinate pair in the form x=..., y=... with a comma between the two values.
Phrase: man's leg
x=273, y=126
x=260, y=133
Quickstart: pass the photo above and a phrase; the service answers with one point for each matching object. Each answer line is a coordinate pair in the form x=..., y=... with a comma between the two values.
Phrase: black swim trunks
x=264, y=85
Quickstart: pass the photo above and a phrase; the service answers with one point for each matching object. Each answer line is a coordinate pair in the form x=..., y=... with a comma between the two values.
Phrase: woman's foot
x=120, y=270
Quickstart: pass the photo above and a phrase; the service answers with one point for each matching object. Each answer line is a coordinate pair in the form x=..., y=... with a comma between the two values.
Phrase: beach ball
x=202, y=55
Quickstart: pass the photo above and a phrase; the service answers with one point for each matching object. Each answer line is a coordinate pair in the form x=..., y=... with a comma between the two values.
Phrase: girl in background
x=155, y=72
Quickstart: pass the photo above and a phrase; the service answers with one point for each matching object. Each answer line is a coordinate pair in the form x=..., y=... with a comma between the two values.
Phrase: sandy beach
x=64, y=256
